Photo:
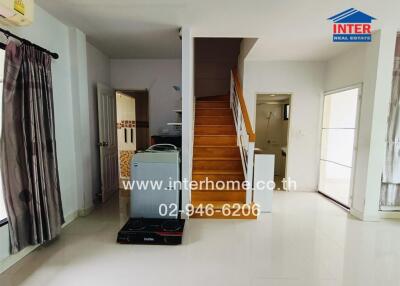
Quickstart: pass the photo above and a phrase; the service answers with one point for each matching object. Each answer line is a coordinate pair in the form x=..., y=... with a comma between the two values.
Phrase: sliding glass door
x=339, y=129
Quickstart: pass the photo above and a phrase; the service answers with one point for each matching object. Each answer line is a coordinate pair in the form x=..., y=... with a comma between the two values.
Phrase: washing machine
x=153, y=173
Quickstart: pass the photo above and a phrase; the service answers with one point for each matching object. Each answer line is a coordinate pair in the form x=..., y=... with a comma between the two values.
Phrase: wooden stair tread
x=213, y=111
x=212, y=152
x=214, y=120
x=214, y=100
x=213, y=125
x=214, y=108
x=214, y=97
x=205, y=145
x=220, y=191
x=218, y=207
x=215, y=146
x=215, y=129
x=214, y=195
x=227, y=124
x=215, y=135
x=217, y=165
x=217, y=172
x=217, y=204
x=223, y=115
x=216, y=159
x=223, y=104
x=222, y=140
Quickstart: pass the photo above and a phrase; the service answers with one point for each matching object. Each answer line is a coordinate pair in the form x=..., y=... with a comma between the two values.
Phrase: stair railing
x=245, y=135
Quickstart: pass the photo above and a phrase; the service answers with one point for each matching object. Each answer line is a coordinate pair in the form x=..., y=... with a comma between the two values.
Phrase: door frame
x=355, y=143
x=290, y=94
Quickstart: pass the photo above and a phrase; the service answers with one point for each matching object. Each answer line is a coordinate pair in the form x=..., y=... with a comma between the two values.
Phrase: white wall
x=50, y=33
x=156, y=75
x=80, y=105
x=304, y=80
x=188, y=106
x=213, y=61
x=337, y=71
x=246, y=46
x=98, y=70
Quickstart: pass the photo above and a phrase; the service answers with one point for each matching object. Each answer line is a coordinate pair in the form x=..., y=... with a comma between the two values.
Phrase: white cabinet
x=263, y=181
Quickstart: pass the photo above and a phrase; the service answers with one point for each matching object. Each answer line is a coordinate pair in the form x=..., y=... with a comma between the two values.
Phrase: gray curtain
x=390, y=192
x=28, y=148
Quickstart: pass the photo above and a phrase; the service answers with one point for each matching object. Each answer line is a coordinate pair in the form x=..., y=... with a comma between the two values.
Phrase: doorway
x=123, y=121
x=132, y=128
x=126, y=133
x=272, y=129
x=338, y=144
x=142, y=117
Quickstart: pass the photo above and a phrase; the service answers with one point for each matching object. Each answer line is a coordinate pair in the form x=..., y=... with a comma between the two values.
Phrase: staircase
x=216, y=157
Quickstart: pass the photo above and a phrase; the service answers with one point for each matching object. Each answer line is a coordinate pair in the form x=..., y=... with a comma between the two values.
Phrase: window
x=3, y=213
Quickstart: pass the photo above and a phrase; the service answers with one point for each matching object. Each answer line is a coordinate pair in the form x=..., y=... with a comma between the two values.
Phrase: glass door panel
x=337, y=144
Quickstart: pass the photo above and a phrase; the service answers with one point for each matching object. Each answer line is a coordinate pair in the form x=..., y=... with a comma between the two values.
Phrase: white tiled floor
x=306, y=241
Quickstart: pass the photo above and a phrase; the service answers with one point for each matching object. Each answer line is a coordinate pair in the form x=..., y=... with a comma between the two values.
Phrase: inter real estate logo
x=351, y=26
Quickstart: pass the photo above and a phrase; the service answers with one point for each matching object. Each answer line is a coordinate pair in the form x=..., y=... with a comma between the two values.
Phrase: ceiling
x=287, y=29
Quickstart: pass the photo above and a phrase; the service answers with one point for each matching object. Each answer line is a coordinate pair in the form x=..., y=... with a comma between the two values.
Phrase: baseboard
x=389, y=214
x=86, y=212
x=357, y=214
x=390, y=209
x=70, y=218
x=13, y=259
x=361, y=216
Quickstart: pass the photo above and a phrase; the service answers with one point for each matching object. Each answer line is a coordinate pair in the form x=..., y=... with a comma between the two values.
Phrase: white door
x=107, y=116
x=338, y=144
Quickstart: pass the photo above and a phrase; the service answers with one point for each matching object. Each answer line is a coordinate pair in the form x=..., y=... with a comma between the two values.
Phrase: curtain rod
x=25, y=41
